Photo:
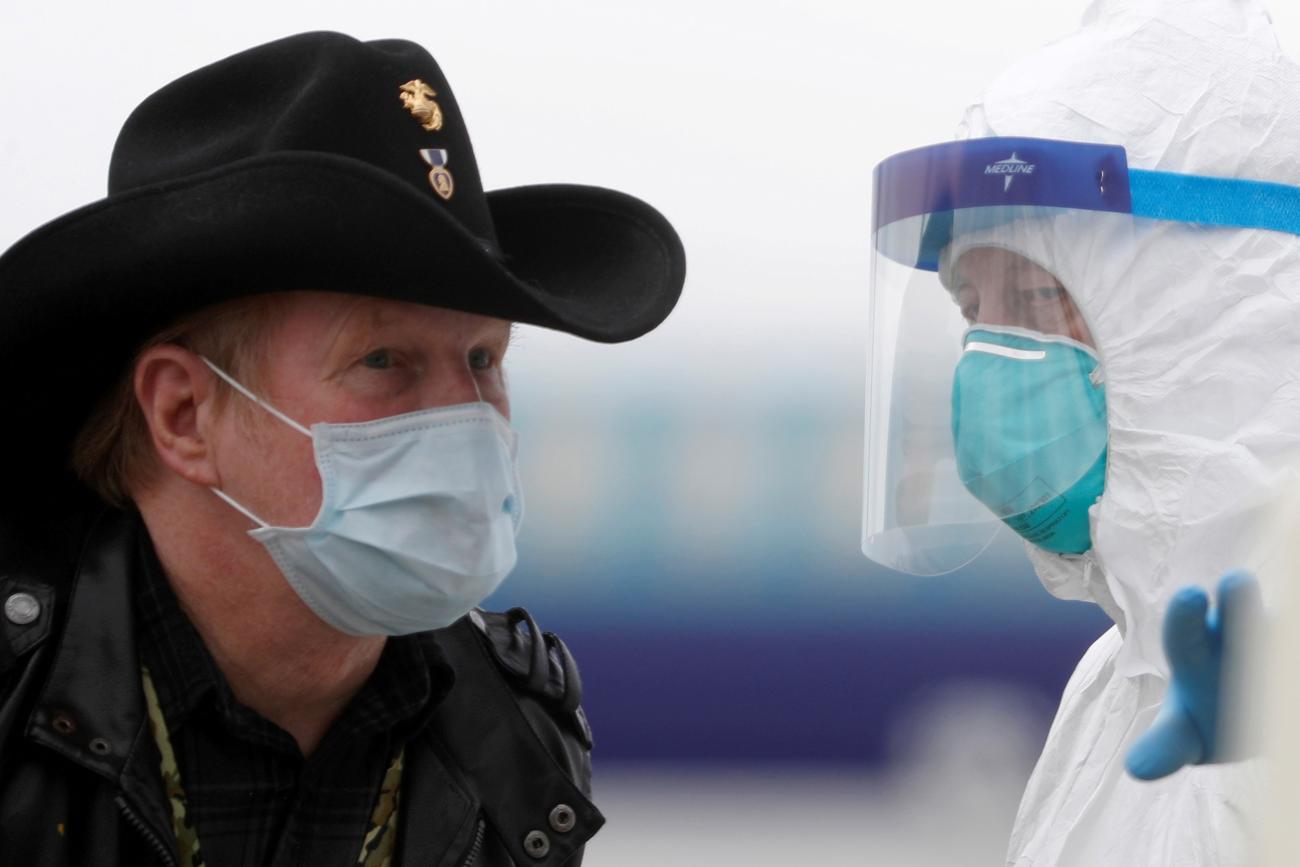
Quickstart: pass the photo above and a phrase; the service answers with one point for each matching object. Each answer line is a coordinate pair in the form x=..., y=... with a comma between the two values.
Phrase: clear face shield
x=986, y=399
x=986, y=390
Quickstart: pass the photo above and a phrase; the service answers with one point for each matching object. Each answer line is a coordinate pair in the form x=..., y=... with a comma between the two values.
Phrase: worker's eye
x=1047, y=293
x=480, y=358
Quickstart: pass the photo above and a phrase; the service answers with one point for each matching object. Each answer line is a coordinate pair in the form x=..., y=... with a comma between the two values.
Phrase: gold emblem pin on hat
x=439, y=178
x=417, y=98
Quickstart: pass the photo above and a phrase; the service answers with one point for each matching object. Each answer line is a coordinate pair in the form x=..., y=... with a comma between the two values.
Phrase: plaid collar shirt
x=252, y=797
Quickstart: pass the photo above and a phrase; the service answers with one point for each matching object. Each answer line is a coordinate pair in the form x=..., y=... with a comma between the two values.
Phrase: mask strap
x=238, y=508
x=230, y=380
x=478, y=392
x=233, y=383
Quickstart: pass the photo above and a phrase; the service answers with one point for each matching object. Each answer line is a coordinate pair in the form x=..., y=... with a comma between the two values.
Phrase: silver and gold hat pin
x=418, y=98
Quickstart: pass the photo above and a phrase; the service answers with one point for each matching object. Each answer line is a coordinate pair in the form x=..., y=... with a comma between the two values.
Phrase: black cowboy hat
x=314, y=162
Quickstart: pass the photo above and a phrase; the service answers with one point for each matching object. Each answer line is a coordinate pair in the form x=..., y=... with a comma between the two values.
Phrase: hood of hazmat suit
x=1203, y=399
x=1195, y=327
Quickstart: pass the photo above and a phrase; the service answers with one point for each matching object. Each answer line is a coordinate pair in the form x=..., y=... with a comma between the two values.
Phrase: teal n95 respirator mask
x=417, y=520
x=1025, y=407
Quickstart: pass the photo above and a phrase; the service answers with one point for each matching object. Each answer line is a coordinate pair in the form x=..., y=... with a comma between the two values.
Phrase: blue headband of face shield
x=914, y=518
x=1009, y=178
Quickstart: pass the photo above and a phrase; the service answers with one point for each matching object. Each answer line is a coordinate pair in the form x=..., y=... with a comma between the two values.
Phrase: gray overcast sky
x=753, y=125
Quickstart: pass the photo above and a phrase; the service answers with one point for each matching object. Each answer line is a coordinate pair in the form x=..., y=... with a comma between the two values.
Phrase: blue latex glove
x=1187, y=731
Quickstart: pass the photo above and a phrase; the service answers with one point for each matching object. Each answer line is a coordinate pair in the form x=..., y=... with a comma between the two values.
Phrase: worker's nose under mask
x=1026, y=407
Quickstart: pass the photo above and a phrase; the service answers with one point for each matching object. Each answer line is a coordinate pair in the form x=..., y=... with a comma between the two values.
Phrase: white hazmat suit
x=1201, y=353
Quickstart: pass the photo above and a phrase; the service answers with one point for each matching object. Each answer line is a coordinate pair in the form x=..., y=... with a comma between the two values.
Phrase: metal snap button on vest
x=562, y=818
x=537, y=844
x=100, y=747
x=64, y=724
x=22, y=608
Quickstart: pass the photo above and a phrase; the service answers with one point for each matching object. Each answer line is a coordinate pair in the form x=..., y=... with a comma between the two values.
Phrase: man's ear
x=176, y=392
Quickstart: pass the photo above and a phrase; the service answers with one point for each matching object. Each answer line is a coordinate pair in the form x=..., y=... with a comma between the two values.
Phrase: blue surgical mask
x=417, y=520
x=1029, y=430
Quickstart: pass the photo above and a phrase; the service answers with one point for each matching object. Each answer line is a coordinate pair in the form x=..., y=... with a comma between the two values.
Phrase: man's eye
x=480, y=359
x=380, y=359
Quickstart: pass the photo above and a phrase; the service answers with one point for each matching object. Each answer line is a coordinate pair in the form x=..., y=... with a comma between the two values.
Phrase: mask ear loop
x=478, y=392
x=238, y=508
x=233, y=383
x=511, y=505
x=237, y=386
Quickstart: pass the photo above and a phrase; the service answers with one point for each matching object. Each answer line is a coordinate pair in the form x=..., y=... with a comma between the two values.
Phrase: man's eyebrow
x=382, y=315
x=493, y=329
x=344, y=330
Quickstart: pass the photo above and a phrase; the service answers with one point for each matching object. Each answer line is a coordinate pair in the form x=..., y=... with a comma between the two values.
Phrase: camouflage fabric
x=376, y=848
x=187, y=842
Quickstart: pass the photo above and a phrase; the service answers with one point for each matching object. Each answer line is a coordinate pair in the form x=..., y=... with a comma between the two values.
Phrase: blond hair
x=113, y=452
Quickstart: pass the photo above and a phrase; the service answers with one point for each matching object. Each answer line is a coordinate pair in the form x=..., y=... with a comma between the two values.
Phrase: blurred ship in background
x=754, y=683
